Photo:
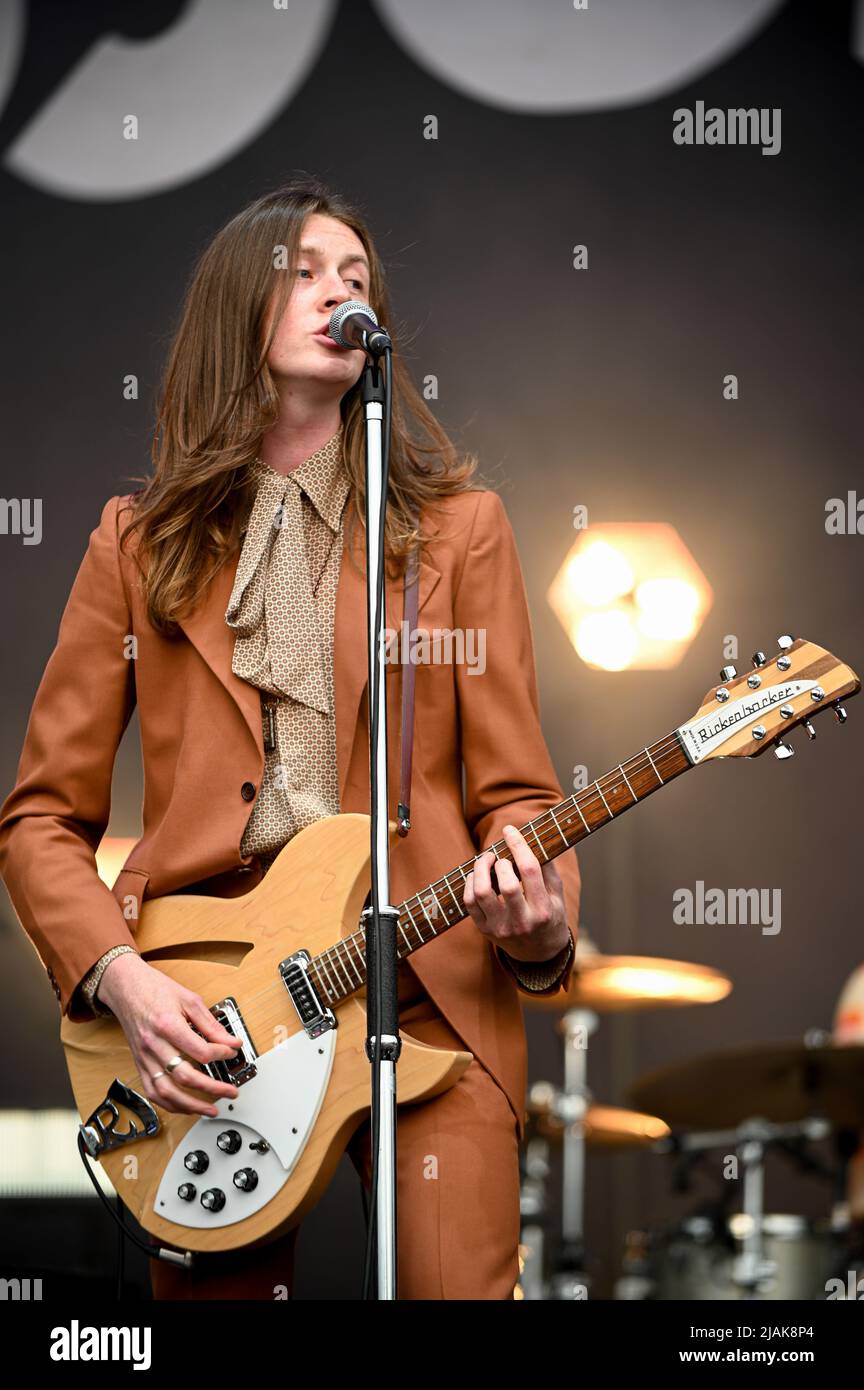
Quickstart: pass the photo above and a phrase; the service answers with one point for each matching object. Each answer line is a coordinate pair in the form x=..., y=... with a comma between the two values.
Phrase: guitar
x=296, y=964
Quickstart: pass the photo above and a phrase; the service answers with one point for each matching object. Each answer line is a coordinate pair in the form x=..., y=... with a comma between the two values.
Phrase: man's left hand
x=527, y=917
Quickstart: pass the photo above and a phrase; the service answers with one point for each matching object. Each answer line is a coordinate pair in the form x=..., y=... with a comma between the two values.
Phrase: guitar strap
x=409, y=613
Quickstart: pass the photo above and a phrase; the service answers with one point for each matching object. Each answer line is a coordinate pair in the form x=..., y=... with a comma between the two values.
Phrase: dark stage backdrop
x=486, y=140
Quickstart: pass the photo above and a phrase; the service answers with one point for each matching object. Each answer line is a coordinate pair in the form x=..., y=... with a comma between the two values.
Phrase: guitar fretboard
x=341, y=970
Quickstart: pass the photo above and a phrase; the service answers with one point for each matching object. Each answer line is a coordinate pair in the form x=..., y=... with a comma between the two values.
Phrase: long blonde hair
x=218, y=399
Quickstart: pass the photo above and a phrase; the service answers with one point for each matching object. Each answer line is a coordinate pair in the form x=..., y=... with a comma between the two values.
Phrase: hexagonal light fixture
x=630, y=596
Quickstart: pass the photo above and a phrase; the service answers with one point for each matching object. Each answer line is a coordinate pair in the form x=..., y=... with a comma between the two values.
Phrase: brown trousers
x=457, y=1193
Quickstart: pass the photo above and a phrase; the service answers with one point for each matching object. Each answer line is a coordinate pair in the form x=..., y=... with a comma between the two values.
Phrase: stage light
x=599, y=573
x=608, y=640
x=668, y=609
x=630, y=596
x=111, y=855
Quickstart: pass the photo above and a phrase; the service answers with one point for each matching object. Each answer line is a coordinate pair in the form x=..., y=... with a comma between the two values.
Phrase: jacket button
x=247, y=791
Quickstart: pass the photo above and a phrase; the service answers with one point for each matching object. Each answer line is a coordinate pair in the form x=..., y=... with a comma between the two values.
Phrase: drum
x=696, y=1261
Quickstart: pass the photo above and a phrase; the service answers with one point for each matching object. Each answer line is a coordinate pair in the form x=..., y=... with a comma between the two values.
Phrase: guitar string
x=656, y=751
x=660, y=750
x=334, y=957
x=636, y=765
x=545, y=822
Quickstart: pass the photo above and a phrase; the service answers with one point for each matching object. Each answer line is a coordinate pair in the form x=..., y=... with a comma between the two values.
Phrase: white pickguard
x=280, y=1104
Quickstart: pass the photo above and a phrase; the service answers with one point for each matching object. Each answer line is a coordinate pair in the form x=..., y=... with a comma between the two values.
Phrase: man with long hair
x=226, y=599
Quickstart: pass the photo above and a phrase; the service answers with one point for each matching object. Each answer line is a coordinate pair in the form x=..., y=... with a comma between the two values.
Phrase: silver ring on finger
x=174, y=1063
x=156, y=1075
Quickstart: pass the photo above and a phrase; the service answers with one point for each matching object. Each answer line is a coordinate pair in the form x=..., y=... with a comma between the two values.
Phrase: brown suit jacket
x=203, y=758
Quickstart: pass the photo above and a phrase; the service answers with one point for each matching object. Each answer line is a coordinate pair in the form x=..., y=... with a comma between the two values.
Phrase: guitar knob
x=197, y=1161
x=784, y=751
x=839, y=713
x=186, y=1191
x=229, y=1142
x=759, y=658
x=728, y=673
x=246, y=1179
x=785, y=642
x=213, y=1199
x=811, y=732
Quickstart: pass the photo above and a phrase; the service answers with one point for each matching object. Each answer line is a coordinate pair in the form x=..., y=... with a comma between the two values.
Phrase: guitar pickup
x=241, y=1067
x=316, y=1017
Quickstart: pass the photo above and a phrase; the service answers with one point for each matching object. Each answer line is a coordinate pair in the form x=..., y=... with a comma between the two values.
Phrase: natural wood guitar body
x=309, y=1090
x=312, y=895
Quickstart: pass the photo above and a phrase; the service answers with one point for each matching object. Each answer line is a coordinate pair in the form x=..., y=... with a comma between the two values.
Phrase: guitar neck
x=341, y=970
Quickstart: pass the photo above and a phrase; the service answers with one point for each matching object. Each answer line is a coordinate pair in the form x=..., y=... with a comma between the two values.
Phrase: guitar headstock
x=744, y=715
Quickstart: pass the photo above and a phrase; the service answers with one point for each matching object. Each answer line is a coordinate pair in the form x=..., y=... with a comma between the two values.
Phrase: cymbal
x=619, y=984
x=605, y=1126
x=772, y=1081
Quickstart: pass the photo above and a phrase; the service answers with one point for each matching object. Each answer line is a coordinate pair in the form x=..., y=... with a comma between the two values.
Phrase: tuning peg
x=785, y=642
x=783, y=751
x=811, y=732
x=728, y=673
x=759, y=658
x=839, y=712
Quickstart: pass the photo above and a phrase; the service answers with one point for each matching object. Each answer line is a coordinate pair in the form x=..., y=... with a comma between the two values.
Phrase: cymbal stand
x=533, y=1207
x=571, y=1282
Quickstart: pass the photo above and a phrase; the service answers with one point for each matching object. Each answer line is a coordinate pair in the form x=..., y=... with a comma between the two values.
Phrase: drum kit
x=738, y=1104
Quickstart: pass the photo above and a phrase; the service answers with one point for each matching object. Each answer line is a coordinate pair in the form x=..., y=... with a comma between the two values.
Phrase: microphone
x=354, y=325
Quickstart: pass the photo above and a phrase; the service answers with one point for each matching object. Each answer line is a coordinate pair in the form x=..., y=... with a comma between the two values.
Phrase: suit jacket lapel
x=207, y=630
x=350, y=655
x=209, y=633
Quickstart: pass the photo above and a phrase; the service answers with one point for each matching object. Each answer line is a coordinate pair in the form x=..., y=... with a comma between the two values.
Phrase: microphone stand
x=383, y=1044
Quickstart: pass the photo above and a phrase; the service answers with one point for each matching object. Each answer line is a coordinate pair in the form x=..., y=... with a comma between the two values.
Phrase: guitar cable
x=121, y=1247
x=183, y=1258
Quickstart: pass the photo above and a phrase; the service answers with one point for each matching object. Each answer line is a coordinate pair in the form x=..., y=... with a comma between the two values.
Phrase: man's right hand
x=159, y=1018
